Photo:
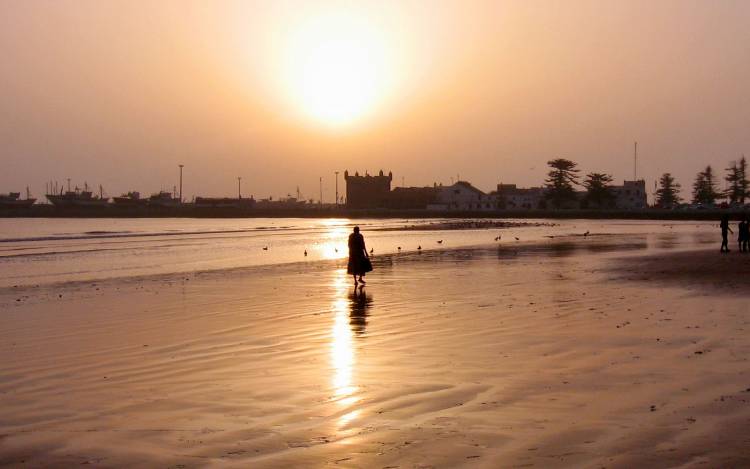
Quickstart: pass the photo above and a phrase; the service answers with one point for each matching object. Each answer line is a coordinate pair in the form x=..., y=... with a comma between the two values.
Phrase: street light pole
x=321, y=192
x=239, y=187
x=337, y=189
x=181, y=166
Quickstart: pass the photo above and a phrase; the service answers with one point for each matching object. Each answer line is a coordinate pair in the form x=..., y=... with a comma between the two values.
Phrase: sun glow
x=336, y=68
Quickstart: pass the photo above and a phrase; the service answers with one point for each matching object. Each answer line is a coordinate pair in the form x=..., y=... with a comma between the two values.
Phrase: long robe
x=358, y=264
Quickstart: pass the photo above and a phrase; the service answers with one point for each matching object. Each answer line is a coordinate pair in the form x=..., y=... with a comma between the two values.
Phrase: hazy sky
x=119, y=93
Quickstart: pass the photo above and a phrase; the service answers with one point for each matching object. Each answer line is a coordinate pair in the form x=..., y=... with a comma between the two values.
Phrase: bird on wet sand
x=586, y=233
x=305, y=252
x=419, y=248
x=372, y=250
x=399, y=249
x=440, y=241
x=265, y=248
x=517, y=238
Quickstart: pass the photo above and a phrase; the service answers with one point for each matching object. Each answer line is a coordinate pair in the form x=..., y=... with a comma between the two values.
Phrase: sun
x=336, y=69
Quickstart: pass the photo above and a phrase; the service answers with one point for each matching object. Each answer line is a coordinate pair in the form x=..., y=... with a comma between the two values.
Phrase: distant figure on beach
x=743, y=234
x=359, y=261
x=725, y=230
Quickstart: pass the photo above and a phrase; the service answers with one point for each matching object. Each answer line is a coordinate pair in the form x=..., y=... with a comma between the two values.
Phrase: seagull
x=419, y=248
x=336, y=249
x=305, y=252
x=498, y=238
x=265, y=248
x=399, y=248
x=440, y=241
x=586, y=233
x=517, y=238
x=372, y=250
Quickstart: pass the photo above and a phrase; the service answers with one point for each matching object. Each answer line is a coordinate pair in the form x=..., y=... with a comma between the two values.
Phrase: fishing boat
x=78, y=198
x=131, y=199
x=14, y=200
x=163, y=199
x=223, y=202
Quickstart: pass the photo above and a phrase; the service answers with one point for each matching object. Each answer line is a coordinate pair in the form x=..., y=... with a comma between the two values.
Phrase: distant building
x=631, y=195
x=413, y=198
x=510, y=197
x=461, y=196
x=367, y=191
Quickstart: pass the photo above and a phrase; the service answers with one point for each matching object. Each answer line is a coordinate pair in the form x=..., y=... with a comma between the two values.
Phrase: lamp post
x=337, y=189
x=321, y=192
x=239, y=187
x=181, y=166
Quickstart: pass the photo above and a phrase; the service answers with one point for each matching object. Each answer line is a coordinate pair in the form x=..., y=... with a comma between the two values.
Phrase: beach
x=573, y=351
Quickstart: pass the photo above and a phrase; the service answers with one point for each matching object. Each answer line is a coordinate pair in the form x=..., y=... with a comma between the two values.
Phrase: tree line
x=563, y=176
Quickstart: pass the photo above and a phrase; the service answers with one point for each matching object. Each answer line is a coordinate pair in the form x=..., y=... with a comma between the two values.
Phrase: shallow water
x=41, y=251
x=528, y=354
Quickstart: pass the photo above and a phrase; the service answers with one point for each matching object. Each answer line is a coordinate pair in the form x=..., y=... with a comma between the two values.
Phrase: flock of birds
x=440, y=241
x=419, y=247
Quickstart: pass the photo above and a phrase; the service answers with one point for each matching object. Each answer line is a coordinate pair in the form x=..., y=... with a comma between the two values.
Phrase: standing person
x=741, y=234
x=745, y=235
x=725, y=229
x=359, y=261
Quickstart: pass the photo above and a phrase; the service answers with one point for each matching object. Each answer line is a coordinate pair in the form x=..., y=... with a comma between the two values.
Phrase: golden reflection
x=349, y=321
x=334, y=244
x=342, y=348
x=342, y=351
x=348, y=417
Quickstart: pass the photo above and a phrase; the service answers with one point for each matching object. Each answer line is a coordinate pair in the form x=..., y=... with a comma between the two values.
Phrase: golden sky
x=283, y=92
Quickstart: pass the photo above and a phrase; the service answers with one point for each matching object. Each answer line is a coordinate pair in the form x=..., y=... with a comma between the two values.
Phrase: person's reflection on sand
x=359, y=302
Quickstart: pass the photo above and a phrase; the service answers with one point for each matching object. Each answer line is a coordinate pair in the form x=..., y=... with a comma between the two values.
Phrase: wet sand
x=572, y=353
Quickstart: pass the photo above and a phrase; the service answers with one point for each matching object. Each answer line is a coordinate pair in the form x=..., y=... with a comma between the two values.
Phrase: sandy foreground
x=575, y=353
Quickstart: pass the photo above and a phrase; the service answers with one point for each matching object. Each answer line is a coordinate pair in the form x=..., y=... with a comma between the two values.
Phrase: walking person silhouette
x=725, y=230
x=359, y=261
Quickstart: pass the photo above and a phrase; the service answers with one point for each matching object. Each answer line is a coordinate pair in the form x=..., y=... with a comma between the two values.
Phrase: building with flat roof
x=511, y=197
x=413, y=198
x=631, y=195
x=367, y=191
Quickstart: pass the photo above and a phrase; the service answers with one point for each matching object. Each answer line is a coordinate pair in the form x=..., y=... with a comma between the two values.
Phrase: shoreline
x=531, y=247
x=625, y=268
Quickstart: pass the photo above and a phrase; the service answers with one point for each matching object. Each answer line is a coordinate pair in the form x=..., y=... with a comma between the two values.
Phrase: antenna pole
x=181, y=166
x=239, y=187
x=320, y=201
x=635, y=161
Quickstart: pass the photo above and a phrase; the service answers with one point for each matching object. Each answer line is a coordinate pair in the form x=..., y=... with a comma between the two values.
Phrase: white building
x=510, y=197
x=630, y=195
x=462, y=196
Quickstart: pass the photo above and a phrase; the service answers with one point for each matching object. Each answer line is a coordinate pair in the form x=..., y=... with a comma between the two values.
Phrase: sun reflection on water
x=333, y=244
x=349, y=322
x=342, y=347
